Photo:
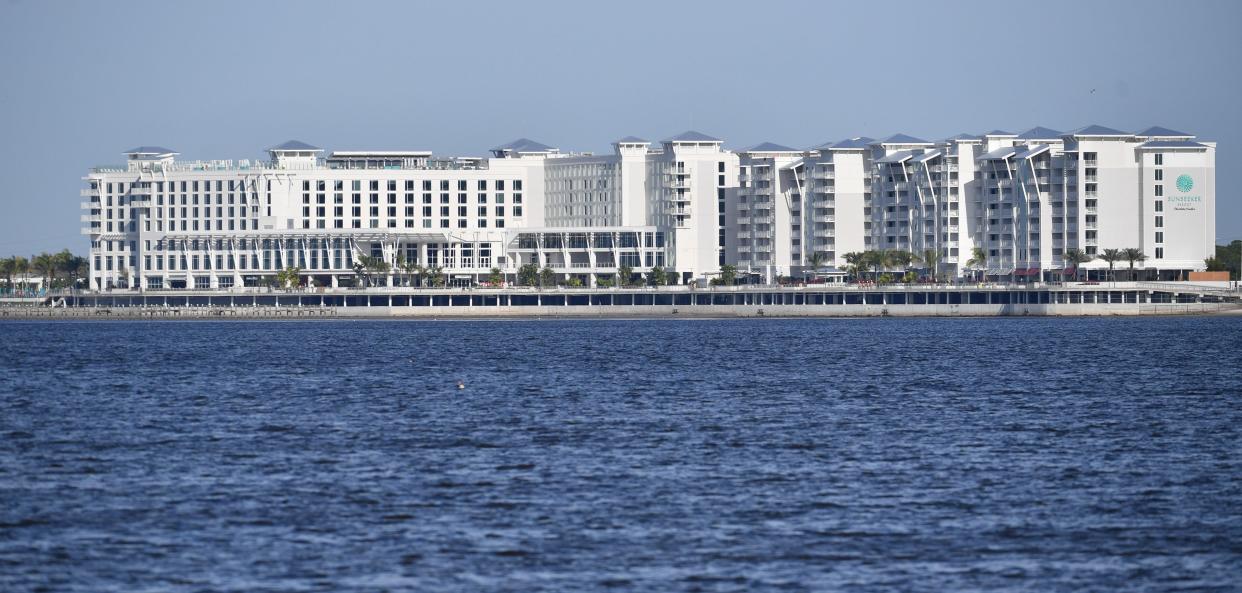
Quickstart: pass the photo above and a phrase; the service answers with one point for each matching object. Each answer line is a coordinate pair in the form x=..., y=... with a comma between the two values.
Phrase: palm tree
x=46, y=265
x=931, y=259
x=657, y=276
x=901, y=259
x=816, y=259
x=21, y=268
x=877, y=260
x=528, y=275
x=624, y=274
x=1073, y=258
x=495, y=277
x=289, y=277
x=728, y=275
x=407, y=268
x=547, y=277
x=6, y=269
x=1112, y=256
x=978, y=259
x=1131, y=255
x=436, y=276
x=857, y=261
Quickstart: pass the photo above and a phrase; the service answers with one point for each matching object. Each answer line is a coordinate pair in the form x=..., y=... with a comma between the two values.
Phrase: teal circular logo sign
x=1185, y=183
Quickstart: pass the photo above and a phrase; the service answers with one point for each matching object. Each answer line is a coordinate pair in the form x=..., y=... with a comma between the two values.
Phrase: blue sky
x=84, y=81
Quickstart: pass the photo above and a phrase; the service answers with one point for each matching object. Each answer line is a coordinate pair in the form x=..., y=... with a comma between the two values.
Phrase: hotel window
x=461, y=223
x=461, y=210
x=374, y=211
x=500, y=224
x=1159, y=174
x=1159, y=253
x=500, y=185
x=1159, y=190
x=374, y=185
x=1160, y=236
x=392, y=185
x=500, y=211
x=444, y=185
x=409, y=198
x=1159, y=159
x=426, y=185
x=444, y=198
x=482, y=223
x=426, y=198
x=461, y=198
x=482, y=198
x=392, y=198
x=444, y=210
x=517, y=211
x=374, y=198
x=427, y=211
x=1159, y=206
x=482, y=185
x=444, y=224
x=392, y=211
x=1159, y=222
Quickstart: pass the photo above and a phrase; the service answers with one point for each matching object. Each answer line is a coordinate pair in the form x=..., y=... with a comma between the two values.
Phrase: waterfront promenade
x=823, y=300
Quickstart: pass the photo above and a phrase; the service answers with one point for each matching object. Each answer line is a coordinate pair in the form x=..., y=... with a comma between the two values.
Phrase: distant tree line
x=1227, y=259
x=57, y=270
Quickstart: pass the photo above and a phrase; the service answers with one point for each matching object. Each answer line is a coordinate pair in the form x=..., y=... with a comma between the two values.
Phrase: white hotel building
x=1023, y=198
x=685, y=204
x=157, y=222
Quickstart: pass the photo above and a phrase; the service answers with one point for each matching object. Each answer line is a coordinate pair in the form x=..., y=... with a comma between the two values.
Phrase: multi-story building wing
x=686, y=205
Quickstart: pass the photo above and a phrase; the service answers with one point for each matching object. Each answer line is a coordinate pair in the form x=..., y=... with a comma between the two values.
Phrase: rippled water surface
x=723, y=455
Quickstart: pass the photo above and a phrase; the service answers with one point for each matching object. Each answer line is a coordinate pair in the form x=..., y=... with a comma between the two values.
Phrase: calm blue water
x=723, y=455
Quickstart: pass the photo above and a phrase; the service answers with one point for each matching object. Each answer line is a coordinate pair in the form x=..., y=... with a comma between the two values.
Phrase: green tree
x=931, y=259
x=573, y=282
x=877, y=260
x=816, y=260
x=6, y=269
x=901, y=259
x=45, y=264
x=625, y=275
x=1111, y=256
x=435, y=275
x=495, y=277
x=528, y=275
x=857, y=262
x=657, y=276
x=1132, y=255
x=290, y=277
x=1074, y=258
x=978, y=259
x=1229, y=258
x=728, y=275
x=547, y=277
x=21, y=267
x=408, y=269
x=603, y=282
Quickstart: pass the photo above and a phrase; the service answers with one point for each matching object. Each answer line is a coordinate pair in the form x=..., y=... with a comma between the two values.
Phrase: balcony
x=87, y=193
x=679, y=184
x=95, y=218
x=1091, y=163
x=824, y=218
x=818, y=174
x=762, y=219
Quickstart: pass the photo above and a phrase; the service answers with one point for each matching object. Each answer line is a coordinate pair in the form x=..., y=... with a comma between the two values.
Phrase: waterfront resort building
x=685, y=204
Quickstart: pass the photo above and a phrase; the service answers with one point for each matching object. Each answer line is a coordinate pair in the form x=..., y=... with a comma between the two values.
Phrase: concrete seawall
x=654, y=311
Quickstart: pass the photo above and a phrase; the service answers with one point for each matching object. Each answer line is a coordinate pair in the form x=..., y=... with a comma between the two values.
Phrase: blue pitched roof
x=693, y=136
x=1039, y=133
x=852, y=143
x=902, y=139
x=770, y=147
x=631, y=139
x=963, y=136
x=1157, y=131
x=1172, y=144
x=523, y=145
x=1094, y=130
x=151, y=150
x=294, y=145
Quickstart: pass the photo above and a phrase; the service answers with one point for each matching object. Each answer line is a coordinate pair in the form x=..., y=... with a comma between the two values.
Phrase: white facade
x=686, y=205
